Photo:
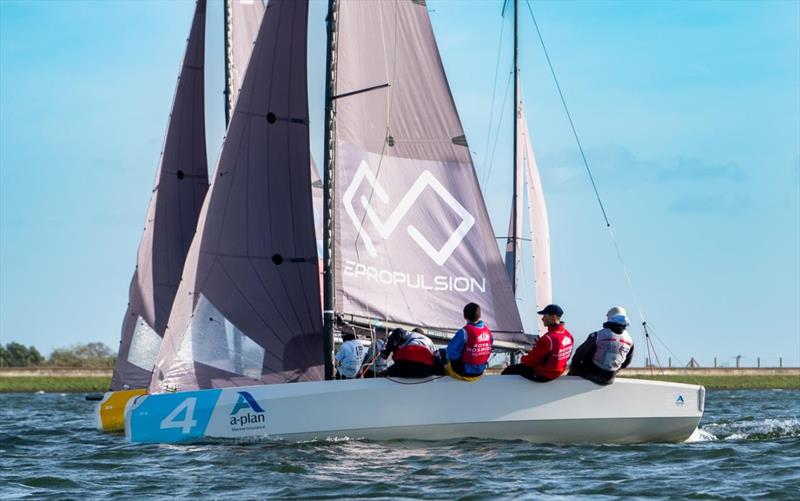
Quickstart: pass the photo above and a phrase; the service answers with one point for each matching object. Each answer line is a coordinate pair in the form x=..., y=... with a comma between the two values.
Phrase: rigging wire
x=647, y=331
x=494, y=92
x=569, y=115
x=497, y=136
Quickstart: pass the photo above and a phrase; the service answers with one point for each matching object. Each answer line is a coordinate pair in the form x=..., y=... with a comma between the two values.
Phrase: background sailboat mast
x=328, y=290
x=515, y=226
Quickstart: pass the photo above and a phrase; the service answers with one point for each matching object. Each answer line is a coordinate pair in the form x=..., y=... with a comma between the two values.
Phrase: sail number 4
x=181, y=417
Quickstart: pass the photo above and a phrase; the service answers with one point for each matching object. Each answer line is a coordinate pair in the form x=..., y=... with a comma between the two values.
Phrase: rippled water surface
x=748, y=446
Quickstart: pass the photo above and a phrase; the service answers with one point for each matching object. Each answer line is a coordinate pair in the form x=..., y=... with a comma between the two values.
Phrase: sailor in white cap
x=606, y=351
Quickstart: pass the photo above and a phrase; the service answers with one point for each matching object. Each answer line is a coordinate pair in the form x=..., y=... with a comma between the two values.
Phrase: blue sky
x=689, y=113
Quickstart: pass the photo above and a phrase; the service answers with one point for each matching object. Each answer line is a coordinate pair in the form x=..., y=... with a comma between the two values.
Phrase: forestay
x=413, y=242
x=248, y=309
x=181, y=185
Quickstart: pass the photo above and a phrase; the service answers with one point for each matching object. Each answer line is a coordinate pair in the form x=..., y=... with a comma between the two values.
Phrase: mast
x=226, y=7
x=513, y=237
x=328, y=195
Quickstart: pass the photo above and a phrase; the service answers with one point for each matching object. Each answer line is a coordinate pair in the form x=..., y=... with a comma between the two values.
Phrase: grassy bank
x=734, y=382
x=54, y=384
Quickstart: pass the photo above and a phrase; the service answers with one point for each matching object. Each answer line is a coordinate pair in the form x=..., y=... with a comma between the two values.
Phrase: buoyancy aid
x=611, y=349
x=416, y=348
x=550, y=355
x=478, y=346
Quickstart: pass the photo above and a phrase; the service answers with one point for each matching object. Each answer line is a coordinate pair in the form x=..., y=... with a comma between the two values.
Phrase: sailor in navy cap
x=549, y=356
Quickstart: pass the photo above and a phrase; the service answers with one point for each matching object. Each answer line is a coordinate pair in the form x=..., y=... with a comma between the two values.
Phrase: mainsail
x=413, y=242
x=242, y=20
x=181, y=184
x=248, y=310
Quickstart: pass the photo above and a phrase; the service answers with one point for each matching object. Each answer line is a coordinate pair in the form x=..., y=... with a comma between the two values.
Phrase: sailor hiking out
x=469, y=351
x=412, y=352
x=549, y=356
x=606, y=351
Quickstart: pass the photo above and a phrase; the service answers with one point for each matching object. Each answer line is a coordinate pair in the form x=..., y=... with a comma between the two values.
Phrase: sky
x=689, y=114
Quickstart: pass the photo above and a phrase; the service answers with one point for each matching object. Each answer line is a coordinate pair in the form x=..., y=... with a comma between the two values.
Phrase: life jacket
x=416, y=348
x=478, y=347
x=561, y=345
x=611, y=349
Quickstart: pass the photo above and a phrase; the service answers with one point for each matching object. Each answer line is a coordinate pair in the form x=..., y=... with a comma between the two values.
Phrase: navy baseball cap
x=552, y=309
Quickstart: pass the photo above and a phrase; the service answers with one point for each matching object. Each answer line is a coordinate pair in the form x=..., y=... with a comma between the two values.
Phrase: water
x=748, y=446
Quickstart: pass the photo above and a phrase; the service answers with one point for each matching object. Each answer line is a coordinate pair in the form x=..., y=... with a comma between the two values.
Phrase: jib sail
x=248, y=309
x=181, y=185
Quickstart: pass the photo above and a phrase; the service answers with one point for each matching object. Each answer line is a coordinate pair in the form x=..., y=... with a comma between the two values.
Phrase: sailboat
x=407, y=240
x=181, y=184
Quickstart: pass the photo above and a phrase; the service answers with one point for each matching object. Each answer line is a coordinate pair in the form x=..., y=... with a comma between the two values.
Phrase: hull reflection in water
x=568, y=410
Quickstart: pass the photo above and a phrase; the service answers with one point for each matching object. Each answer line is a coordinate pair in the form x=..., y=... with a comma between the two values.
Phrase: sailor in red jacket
x=549, y=356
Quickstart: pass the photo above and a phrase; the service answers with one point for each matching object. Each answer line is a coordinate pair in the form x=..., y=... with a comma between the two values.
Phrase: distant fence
x=711, y=371
x=737, y=362
x=53, y=372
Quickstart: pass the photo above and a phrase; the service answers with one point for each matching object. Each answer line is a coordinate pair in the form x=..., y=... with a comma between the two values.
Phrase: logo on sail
x=246, y=401
x=386, y=228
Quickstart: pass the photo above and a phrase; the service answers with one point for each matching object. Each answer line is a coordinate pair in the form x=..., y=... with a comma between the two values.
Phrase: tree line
x=83, y=356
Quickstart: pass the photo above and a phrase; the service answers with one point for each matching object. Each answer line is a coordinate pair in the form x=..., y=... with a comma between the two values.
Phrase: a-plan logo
x=386, y=228
x=255, y=413
x=680, y=401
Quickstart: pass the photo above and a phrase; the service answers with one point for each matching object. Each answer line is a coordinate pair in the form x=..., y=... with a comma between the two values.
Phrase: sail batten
x=413, y=242
x=248, y=309
x=180, y=187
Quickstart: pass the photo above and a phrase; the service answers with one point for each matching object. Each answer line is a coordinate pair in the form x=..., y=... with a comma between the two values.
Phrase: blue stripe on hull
x=173, y=417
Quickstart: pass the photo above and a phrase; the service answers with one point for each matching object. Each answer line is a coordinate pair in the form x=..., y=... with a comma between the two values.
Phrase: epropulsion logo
x=386, y=228
x=246, y=401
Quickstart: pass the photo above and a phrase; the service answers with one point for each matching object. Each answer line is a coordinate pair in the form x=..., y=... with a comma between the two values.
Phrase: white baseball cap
x=617, y=310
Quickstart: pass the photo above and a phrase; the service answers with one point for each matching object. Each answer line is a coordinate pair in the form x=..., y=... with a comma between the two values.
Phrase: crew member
x=349, y=357
x=374, y=364
x=606, y=351
x=412, y=353
x=549, y=356
x=469, y=351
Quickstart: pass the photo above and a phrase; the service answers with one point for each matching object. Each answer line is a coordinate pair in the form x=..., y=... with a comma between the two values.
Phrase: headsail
x=413, y=239
x=243, y=18
x=181, y=184
x=251, y=272
x=537, y=212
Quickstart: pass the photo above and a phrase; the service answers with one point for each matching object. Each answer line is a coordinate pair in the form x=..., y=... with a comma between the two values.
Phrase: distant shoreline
x=61, y=380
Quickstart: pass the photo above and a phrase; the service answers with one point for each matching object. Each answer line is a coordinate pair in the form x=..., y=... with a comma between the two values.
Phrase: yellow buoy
x=111, y=410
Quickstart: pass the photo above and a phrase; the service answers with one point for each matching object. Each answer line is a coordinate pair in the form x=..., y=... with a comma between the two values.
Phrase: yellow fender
x=111, y=410
x=453, y=374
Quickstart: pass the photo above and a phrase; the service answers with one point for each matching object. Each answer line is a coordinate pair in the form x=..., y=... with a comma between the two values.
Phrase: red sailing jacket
x=413, y=353
x=478, y=347
x=552, y=351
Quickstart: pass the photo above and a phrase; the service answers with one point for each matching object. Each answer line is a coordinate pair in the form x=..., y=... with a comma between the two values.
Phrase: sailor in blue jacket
x=469, y=350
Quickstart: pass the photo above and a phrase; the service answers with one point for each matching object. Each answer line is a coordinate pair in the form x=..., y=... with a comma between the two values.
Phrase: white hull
x=567, y=410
